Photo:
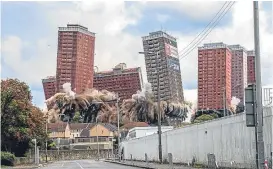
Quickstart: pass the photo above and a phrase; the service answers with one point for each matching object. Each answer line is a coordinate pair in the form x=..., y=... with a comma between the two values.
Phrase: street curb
x=132, y=165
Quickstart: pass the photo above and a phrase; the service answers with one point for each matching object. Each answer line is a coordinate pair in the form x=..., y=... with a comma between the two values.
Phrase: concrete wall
x=228, y=138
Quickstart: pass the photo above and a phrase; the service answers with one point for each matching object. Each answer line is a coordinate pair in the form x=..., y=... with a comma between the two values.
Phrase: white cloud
x=240, y=31
x=162, y=17
x=33, y=69
x=202, y=11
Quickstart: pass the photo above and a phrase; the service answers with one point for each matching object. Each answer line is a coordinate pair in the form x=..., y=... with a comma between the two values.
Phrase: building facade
x=49, y=85
x=77, y=128
x=251, y=67
x=75, y=57
x=214, y=76
x=164, y=47
x=100, y=134
x=121, y=80
x=59, y=130
x=238, y=71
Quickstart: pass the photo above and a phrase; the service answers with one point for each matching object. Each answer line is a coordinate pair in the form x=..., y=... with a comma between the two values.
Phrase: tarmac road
x=85, y=164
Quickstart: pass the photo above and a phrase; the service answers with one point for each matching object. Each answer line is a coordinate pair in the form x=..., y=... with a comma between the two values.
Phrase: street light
x=158, y=104
x=119, y=157
x=35, y=150
x=98, y=147
x=46, y=134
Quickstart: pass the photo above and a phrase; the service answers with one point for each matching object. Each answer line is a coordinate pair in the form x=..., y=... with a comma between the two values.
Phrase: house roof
x=78, y=126
x=110, y=127
x=86, y=131
x=57, y=127
x=134, y=124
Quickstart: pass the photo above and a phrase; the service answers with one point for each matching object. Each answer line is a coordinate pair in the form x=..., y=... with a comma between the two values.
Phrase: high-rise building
x=251, y=67
x=49, y=85
x=238, y=71
x=214, y=76
x=75, y=58
x=121, y=80
x=170, y=81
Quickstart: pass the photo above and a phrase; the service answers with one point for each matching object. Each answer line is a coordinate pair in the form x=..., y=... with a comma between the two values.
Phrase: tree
x=20, y=120
x=77, y=117
x=204, y=117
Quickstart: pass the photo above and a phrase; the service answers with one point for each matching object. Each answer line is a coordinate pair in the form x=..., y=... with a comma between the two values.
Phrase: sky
x=29, y=35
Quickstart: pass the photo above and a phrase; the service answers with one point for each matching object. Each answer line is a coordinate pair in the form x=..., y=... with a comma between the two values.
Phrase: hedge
x=7, y=158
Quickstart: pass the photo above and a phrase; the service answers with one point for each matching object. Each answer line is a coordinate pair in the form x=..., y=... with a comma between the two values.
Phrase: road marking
x=78, y=164
x=62, y=165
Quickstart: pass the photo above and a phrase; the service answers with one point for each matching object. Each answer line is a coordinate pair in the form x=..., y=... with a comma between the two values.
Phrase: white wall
x=228, y=138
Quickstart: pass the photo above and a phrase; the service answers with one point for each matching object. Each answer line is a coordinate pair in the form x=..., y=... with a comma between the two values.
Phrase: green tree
x=77, y=117
x=20, y=120
x=204, y=117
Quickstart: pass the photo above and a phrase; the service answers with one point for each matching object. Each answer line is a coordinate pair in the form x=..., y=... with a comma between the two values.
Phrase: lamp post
x=35, y=150
x=46, y=136
x=158, y=103
x=119, y=157
x=98, y=147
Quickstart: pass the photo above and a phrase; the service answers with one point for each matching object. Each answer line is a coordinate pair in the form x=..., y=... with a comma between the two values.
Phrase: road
x=85, y=164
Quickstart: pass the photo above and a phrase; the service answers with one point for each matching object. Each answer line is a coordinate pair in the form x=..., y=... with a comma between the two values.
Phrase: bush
x=7, y=158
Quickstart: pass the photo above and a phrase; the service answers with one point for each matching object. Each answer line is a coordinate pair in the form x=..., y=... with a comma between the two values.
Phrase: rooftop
x=76, y=28
x=213, y=46
x=57, y=127
x=78, y=126
x=49, y=79
x=117, y=70
x=134, y=124
x=157, y=34
x=237, y=47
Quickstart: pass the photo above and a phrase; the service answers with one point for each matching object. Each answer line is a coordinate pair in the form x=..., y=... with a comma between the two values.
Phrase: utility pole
x=259, y=108
x=46, y=135
x=159, y=113
x=98, y=147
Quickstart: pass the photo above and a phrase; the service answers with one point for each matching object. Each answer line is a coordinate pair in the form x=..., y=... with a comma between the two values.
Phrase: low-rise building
x=59, y=130
x=76, y=129
x=138, y=132
x=88, y=137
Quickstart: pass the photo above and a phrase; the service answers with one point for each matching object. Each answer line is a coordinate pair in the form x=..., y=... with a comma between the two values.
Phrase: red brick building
x=238, y=71
x=49, y=86
x=214, y=76
x=75, y=57
x=121, y=80
x=251, y=67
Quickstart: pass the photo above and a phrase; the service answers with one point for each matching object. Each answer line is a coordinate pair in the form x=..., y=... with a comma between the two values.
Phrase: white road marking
x=62, y=165
x=78, y=164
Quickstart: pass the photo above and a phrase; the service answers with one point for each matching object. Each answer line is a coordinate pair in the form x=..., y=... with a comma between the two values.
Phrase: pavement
x=85, y=164
x=149, y=165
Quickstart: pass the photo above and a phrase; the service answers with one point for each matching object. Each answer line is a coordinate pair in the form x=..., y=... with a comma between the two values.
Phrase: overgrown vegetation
x=21, y=121
x=205, y=117
x=7, y=158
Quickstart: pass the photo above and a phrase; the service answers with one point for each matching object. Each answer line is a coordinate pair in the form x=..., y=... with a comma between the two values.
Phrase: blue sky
x=34, y=25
